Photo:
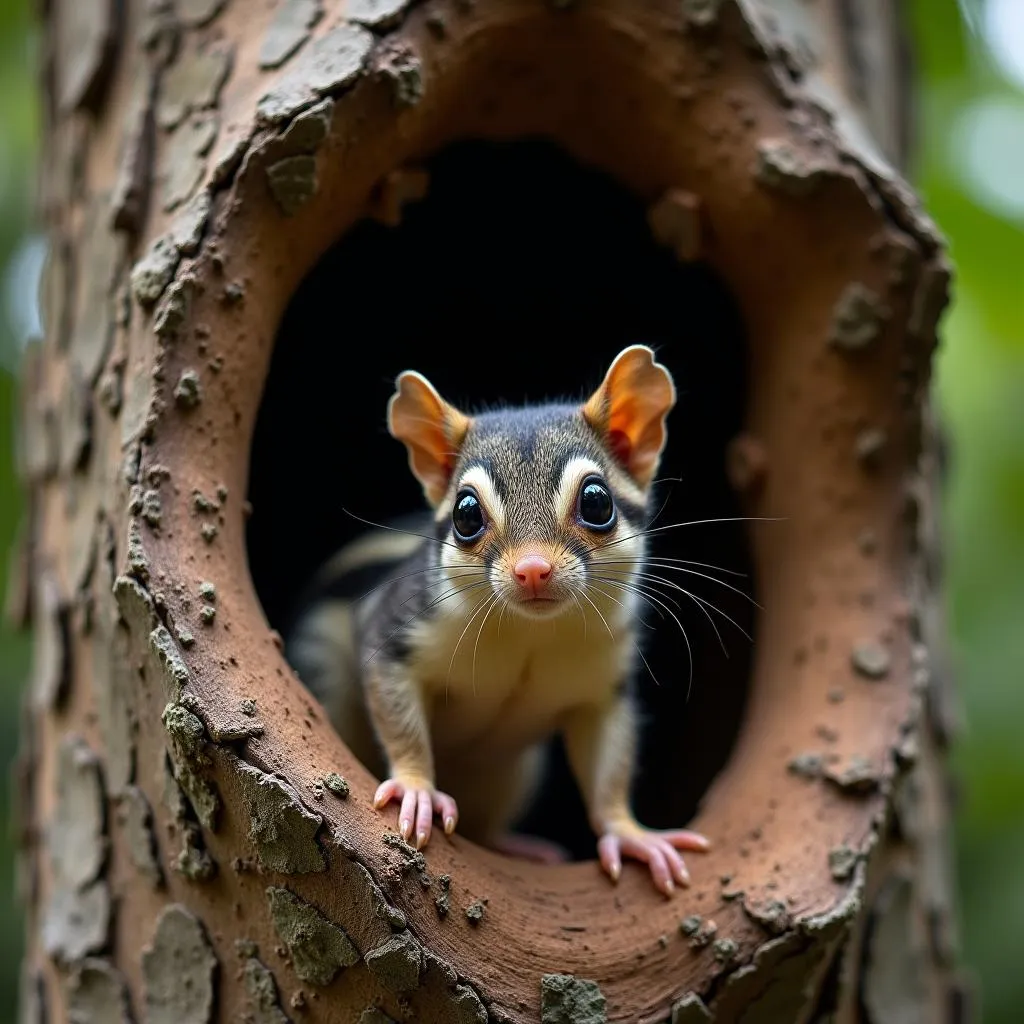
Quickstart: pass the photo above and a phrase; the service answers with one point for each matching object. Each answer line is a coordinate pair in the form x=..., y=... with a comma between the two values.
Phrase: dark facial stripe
x=565, y=456
x=486, y=463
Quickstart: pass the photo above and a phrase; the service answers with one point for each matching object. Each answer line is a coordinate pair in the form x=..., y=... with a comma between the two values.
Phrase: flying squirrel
x=448, y=654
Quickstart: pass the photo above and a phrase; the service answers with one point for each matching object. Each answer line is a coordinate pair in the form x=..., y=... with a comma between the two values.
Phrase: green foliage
x=17, y=147
x=981, y=390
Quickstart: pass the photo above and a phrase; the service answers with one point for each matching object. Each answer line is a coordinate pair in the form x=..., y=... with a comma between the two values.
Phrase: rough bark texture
x=183, y=860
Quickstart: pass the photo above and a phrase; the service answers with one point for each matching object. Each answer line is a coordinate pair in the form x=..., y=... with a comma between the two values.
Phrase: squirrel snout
x=533, y=574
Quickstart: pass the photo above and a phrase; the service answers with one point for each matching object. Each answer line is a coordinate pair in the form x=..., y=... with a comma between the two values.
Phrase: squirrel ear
x=431, y=430
x=629, y=409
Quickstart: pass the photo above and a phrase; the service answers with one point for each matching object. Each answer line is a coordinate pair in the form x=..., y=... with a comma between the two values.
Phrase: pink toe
x=609, y=855
x=651, y=851
x=407, y=815
x=424, y=818
x=676, y=864
x=684, y=840
x=448, y=810
x=386, y=792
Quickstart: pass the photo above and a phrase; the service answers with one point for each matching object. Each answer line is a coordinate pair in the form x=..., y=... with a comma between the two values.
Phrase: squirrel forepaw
x=419, y=803
x=659, y=850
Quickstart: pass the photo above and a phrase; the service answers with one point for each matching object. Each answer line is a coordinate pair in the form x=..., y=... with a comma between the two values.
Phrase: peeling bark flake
x=330, y=64
x=178, y=970
x=186, y=734
x=565, y=999
x=154, y=270
x=131, y=191
x=690, y=1010
x=857, y=776
x=134, y=605
x=173, y=667
x=227, y=160
x=870, y=660
x=370, y=917
x=337, y=784
x=261, y=991
x=85, y=39
x=55, y=286
x=771, y=915
x=467, y=1006
x=183, y=163
x=857, y=319
x=52, y=668
x=76, y=836
x=281, y=829
x=376, y=14
x=193, y=82
x=807, y=764
x=293, y=20
x=187, y=229
x=771, y=988
x=194, y=861
x=188, y=392
x=74, y=424
x=842, y=861
x=396, y=963
x=398, y=64
x=782, y=167
x=724, y=950
x=309, y=130
x=318, y=948
x=39, y=453
x=895, y=965
x=96, y=994
x=100, y=254
x=76, y=923
x=293, y=182
x=173, y=309
x=136, y=820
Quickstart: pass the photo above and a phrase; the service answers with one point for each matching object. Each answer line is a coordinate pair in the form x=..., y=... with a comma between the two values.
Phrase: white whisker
x=476, y=611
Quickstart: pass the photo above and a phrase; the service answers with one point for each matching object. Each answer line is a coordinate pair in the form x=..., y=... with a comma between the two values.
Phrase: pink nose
x=533, y=574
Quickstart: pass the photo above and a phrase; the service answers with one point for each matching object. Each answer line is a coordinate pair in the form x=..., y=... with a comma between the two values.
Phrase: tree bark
x=183, y=858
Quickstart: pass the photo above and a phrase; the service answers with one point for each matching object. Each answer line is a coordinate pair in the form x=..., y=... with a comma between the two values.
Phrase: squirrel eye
x=467, y=517
x=596, y=508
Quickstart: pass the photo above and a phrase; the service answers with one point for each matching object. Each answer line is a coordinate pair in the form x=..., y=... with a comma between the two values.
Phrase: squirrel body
x=448, y=653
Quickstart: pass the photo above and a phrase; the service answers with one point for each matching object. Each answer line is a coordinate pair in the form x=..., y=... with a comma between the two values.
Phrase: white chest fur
x=506, y=682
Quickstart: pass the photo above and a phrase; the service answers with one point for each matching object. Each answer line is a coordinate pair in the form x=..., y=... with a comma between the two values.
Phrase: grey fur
x=524, y=451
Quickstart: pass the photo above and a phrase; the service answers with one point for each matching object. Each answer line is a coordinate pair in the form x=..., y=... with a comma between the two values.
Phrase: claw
x=659, y=850
x=418, y=804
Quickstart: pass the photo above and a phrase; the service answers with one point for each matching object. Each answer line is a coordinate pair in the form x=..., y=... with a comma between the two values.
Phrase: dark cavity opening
x=519, y=277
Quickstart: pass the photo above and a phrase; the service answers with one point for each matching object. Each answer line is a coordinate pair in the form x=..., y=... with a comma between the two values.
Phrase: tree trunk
x=183, y=858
